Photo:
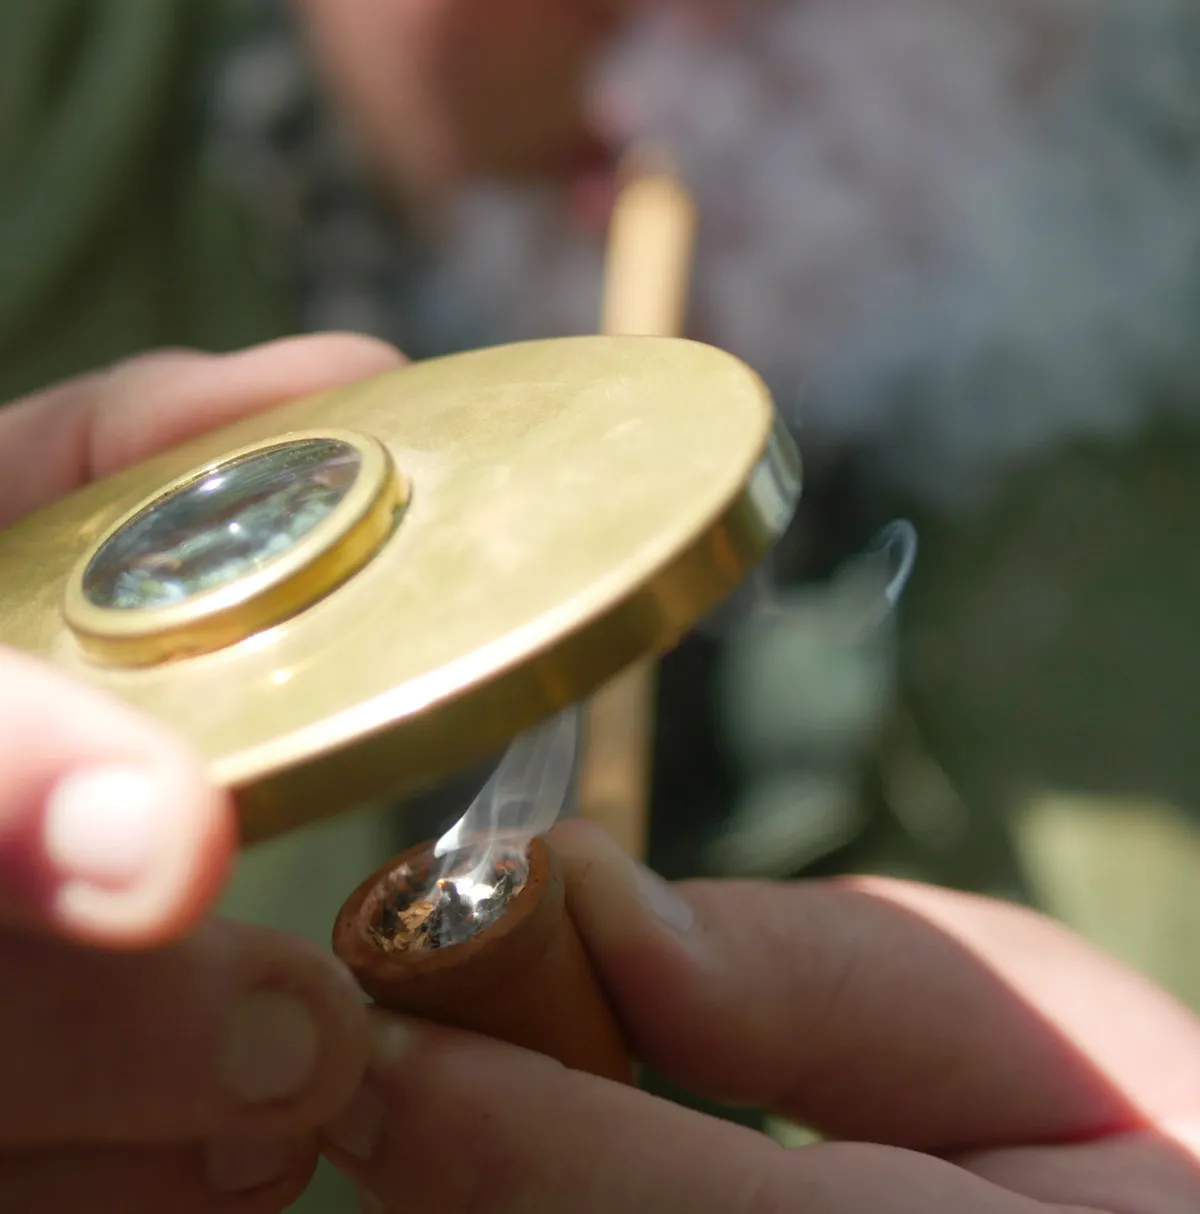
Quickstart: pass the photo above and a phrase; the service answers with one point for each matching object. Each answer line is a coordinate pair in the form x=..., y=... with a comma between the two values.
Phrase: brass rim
x=320, y=561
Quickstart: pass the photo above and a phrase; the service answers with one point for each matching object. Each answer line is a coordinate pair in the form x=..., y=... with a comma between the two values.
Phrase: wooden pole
x=646, y=288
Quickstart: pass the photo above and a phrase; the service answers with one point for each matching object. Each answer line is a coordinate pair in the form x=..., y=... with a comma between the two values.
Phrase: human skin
x=964, y=1056
x=439, y=90
x=152, y=1058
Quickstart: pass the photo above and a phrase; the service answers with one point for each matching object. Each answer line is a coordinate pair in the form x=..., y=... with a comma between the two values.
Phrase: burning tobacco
x=421, y=911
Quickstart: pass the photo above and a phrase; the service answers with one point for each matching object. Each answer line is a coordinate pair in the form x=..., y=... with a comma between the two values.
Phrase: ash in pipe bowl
x=433, y=902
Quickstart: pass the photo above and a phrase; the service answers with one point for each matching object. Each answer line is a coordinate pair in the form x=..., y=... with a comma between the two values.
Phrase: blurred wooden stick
x=650, y=239
x=646, y=288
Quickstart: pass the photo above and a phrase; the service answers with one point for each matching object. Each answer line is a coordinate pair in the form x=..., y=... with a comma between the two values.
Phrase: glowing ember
x=421, y=910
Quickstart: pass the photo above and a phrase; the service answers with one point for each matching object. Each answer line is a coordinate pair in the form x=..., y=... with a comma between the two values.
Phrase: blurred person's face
x=442, y=89
x=969, y=230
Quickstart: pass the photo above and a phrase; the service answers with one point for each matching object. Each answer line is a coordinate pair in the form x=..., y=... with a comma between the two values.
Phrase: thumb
x=110, y=832
x=879, y=1011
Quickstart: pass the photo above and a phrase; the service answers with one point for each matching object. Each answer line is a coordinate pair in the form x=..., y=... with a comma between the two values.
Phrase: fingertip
x=615, y=898
x=278, y=1083
x=111, y=831
x=600, y=879
x=157, y=400
x=323, y=359
x=581, y=845
x=373, y=353
x=249, y=1173
x=139, y=853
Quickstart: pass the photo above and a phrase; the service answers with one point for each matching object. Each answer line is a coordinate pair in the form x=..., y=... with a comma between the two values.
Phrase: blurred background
x=961, y=242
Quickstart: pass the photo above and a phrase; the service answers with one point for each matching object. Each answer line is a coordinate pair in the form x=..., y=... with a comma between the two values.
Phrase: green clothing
x=112, y=237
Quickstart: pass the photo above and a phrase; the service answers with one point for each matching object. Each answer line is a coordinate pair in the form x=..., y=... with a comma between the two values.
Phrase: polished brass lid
x=355, y=594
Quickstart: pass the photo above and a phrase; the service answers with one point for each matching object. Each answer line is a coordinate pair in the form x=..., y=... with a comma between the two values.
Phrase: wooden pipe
x=526, y=978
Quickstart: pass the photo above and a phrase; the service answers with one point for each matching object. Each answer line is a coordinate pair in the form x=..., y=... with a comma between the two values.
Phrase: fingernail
x=368, y=1203
x=240, y=1165
x=105, y=826
x=270, y=1048
x=358, y=1128
x=665, y=901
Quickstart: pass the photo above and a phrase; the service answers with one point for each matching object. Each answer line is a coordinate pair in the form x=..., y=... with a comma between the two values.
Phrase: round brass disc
x=574, y=505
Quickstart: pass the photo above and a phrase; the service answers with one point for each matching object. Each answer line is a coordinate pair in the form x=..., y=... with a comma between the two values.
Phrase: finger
x=255, y=1177
x=880, y=1010
x=110, y=830
x=1156, y=1172
x=234, y=1031
x=459, y=1123
x=88, y=427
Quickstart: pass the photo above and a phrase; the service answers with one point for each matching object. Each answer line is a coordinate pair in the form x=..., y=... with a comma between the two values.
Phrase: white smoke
x=956, y=231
